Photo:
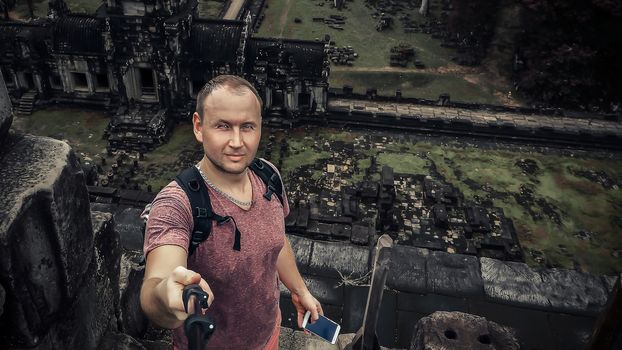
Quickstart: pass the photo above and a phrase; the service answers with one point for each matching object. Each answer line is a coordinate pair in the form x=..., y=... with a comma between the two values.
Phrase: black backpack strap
x=191, y=181
x=270, y=177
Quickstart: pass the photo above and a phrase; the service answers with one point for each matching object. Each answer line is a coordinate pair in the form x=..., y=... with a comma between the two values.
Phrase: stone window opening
x=304, y=100
x=196, y=86
x=102, y=82
x=8, y=78
x=80, y=82
x=55, y=81
x=29, y=81
x=147, y=82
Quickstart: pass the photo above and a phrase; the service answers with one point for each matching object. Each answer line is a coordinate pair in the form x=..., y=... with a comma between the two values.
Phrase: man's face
x=230, y=130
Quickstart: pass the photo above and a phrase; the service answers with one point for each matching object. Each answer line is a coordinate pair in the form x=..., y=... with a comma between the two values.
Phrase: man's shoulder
x=171, y=192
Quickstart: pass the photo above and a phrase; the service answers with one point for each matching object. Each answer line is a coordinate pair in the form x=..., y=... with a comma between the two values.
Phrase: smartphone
x=323, y=327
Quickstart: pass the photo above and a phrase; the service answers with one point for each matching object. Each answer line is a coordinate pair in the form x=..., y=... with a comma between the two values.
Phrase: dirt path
x=234, y=9
x=449, y=69
x=283, y=18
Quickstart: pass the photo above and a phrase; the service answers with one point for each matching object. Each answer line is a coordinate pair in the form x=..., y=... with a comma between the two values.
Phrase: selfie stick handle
x=198, y=327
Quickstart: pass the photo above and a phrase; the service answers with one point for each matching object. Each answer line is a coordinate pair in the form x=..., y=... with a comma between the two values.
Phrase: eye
x=222, y=126
x=248, y=127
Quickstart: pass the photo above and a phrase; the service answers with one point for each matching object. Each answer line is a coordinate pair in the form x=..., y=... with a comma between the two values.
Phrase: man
x=242, y=284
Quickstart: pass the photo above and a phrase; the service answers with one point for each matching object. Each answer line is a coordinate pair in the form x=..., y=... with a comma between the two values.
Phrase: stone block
x=339, y=260
x=454, y=274
x=132, y=320
x=571, y=332
x=457, y=330
x=429, y=303
x=302, y=251
x=46, y=235
x=6, y=111
x=354, y=308
x=574, y=291
x=532, y=327
x=408, y=269
x=2, y=299
x=83, y=322
x=512, y=283
x=130, y=227
x=326, y=290
x=406, y=322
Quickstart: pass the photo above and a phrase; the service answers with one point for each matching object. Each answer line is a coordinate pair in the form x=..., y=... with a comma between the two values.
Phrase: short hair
x=230, y=81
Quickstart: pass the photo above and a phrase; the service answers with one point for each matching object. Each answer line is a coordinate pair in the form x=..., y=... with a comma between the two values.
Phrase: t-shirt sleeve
x=170, y=219
x=285, y=202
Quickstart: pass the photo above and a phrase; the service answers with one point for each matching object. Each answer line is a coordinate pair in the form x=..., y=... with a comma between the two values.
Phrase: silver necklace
x=221, y=192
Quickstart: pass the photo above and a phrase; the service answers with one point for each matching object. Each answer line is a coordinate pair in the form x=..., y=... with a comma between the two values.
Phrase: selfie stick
x=198, y=327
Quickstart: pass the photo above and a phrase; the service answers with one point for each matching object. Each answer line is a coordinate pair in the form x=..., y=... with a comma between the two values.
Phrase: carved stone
x=457, y=330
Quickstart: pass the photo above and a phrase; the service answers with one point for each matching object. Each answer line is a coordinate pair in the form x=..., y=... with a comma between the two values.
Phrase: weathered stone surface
x=82, y=323
x=119, y=341
x=2, y=298
x=46, y=236
x=327, y=290
x=557, y=289
x=512, y=283
x=6, y=113
x=457, y=330
x=574, y=291
x=408, y=269
x=339, y=260
x=302, y=251
x=454, y=274
x=130, y=227
x=132, y=319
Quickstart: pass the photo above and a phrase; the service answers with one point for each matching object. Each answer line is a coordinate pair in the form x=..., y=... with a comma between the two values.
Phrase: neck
x=223, y=179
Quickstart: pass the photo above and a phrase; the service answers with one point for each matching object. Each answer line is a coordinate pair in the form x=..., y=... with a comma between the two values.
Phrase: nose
x=236, y=138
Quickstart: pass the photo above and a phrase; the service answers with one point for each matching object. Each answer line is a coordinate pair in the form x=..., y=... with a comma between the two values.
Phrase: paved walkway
x=234, y=9
x=483, y=118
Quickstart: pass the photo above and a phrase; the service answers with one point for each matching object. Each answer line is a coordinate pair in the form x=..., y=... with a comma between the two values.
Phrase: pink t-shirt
x=245, y=282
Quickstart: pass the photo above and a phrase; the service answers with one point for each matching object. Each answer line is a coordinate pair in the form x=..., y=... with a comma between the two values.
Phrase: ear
x=197, y=126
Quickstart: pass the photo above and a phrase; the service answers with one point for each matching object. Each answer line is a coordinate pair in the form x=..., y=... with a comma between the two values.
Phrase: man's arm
x=165, y=278
x=289, y=275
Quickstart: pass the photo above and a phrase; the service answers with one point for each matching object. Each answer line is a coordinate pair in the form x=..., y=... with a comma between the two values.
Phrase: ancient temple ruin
x=145, y=61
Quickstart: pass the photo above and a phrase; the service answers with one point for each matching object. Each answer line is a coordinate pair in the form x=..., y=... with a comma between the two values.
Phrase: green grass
x=209, y=8
x=581, y=204
x=160, y=166
x=360, y=33
x=83, y=129
x=414, y=84
x=403, y=163
x=41, y=7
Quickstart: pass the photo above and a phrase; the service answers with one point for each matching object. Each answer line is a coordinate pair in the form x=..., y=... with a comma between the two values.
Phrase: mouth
x=235, y=156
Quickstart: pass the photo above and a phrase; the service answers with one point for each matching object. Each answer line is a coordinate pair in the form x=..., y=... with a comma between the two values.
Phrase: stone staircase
x=26, y=103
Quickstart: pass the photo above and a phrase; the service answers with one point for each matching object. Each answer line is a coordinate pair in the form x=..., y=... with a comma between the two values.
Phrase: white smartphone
x=323, y=327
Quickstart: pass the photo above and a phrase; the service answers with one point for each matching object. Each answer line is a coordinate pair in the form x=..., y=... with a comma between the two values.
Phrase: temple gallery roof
x=215, y=40
x=305, y=56
x=78, y=34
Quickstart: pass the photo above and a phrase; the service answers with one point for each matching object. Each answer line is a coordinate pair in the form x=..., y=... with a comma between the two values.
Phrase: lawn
x=413, y=84
x=373, y=46
x=41, y=7
x=371, y=68
x=562, y=218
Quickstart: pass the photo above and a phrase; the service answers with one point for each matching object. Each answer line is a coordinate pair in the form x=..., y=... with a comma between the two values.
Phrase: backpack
x=191, y=181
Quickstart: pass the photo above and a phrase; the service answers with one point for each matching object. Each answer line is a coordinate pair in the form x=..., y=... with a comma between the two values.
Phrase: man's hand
x=306, y=302
x=170, y=290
